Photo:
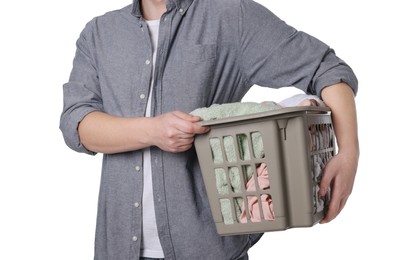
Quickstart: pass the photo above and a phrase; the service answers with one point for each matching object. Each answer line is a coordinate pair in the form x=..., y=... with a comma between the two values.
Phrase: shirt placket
x=142, y=99
x=162, y=220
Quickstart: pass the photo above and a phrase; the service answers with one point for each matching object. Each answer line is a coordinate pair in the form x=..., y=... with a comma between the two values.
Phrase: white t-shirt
x=151, y=246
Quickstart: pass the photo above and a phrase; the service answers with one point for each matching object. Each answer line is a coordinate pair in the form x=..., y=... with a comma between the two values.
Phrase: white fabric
x=296, y=99
x=151, y=246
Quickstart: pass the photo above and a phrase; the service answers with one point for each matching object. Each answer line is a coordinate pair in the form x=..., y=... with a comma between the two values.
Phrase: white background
x=48, y=193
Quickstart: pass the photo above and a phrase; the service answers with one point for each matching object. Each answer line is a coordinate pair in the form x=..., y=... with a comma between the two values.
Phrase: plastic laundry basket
x=291, y=144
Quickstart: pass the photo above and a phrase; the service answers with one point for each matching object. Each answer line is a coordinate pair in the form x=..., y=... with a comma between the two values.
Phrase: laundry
x=252, y=201
x=217, y=111
x=234, y=147
x=235, y=174
x=300, y=100
x=321, y=138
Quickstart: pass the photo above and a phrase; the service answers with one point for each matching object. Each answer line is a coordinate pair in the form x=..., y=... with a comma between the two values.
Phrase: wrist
x=351, y=152
x=143, y=131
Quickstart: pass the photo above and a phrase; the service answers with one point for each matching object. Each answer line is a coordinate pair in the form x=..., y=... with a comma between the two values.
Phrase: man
x=140, y=70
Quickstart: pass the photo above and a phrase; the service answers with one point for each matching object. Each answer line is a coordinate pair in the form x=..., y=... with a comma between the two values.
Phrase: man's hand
x=175, y=131
x=339, y=174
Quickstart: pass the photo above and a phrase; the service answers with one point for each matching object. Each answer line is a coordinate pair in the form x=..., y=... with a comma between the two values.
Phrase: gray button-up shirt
x=210, y=51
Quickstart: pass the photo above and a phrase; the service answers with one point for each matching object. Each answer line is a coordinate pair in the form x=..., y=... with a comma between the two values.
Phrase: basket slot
x=231, y=209
x=215, y=143
x=257, y=145
x=257, y=216
x=228, y=145
x=240, y=204
x=221, y=180
x=243, y=147
x=321, y=148
x=227, y=214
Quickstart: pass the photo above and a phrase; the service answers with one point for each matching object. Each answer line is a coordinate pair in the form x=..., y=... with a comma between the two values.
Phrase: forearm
x=340, y=99
x=103, y=133
x=340, y=171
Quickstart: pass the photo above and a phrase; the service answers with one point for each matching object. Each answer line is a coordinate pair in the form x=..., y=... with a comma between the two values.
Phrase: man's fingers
x=337, y=202
x=325, y=182
x=188, y=124
x=187, y=117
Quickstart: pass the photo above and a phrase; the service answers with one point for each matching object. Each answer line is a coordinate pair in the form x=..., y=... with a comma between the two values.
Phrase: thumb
x=187, y=117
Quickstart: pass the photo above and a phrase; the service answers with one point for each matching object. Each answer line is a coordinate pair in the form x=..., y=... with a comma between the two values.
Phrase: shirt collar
x=181, y=5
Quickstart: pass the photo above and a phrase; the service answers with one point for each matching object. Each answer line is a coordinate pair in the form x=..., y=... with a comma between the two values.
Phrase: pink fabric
x=266, y=200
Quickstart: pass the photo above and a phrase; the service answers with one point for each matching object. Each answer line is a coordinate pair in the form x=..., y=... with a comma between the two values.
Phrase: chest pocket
x=196, y=53
x=190, y=72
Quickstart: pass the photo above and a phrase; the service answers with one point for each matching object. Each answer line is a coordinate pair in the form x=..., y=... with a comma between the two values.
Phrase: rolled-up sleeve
x=274, y=54
x=81, y=95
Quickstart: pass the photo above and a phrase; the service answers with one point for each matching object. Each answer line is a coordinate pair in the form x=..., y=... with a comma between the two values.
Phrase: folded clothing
x=217, y=111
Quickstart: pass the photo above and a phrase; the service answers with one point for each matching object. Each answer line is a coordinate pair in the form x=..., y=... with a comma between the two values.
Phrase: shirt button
x=142, y=96
x=136, y=204
x=135, y=238
x=147, y=62
x=181, y=10
x=137, y=168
